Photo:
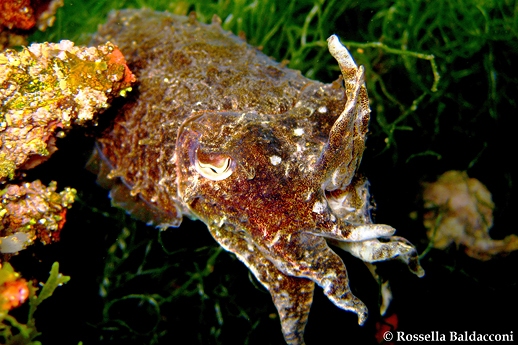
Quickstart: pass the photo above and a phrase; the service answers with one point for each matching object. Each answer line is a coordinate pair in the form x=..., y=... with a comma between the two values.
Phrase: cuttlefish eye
x=214, y=166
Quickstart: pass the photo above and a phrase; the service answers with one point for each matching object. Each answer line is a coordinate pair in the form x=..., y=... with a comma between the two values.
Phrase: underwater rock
x=46, y=89
x=459, y=210
x=32, y=211
x=19, y=16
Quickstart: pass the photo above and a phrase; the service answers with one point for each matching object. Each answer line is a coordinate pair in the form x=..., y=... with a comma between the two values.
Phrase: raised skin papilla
x=265, y=157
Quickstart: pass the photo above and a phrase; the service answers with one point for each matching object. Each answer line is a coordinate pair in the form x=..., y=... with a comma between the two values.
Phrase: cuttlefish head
x=245, y=169
x=276, y=189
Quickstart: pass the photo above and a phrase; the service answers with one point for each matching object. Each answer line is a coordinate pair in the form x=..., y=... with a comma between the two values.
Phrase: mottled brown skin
x=265, y=157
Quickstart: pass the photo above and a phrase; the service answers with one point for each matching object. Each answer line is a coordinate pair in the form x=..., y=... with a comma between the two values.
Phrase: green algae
x=13, y=331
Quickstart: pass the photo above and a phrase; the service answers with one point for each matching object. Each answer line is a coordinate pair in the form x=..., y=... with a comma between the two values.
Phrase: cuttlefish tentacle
x=411, y=258
x=374, y=250
x=341, y=230
x=312, y=258
x=292, y=296
x=343, y=151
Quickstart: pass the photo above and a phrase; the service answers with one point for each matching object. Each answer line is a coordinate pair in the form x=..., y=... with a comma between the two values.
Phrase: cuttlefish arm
x=372, y=251
x=337, y=166
x=341, y=230
x=343, y=151
x=292, y=296
x=290, y=277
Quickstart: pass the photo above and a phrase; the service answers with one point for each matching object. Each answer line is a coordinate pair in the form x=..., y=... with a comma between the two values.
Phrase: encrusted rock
x=47, y=88
x=31, y=212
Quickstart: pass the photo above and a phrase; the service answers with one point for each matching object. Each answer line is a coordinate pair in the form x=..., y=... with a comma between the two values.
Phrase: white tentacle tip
x=340, y=52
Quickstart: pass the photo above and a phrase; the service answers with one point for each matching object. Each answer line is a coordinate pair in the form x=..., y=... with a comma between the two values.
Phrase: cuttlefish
x=265, y=157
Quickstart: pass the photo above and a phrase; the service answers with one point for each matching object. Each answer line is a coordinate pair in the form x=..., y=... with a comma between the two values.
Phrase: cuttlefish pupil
x=214, y=166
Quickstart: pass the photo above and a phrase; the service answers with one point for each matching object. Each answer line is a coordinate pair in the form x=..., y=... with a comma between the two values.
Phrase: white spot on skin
x=275, y=160
x=322, y=109
x=287, y=170
x=275, y=239
x=221, y=221
x=298, y=131
x=319, y=206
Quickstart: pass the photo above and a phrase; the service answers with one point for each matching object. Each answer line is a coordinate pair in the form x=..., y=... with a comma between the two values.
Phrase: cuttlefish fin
x=121, y=197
